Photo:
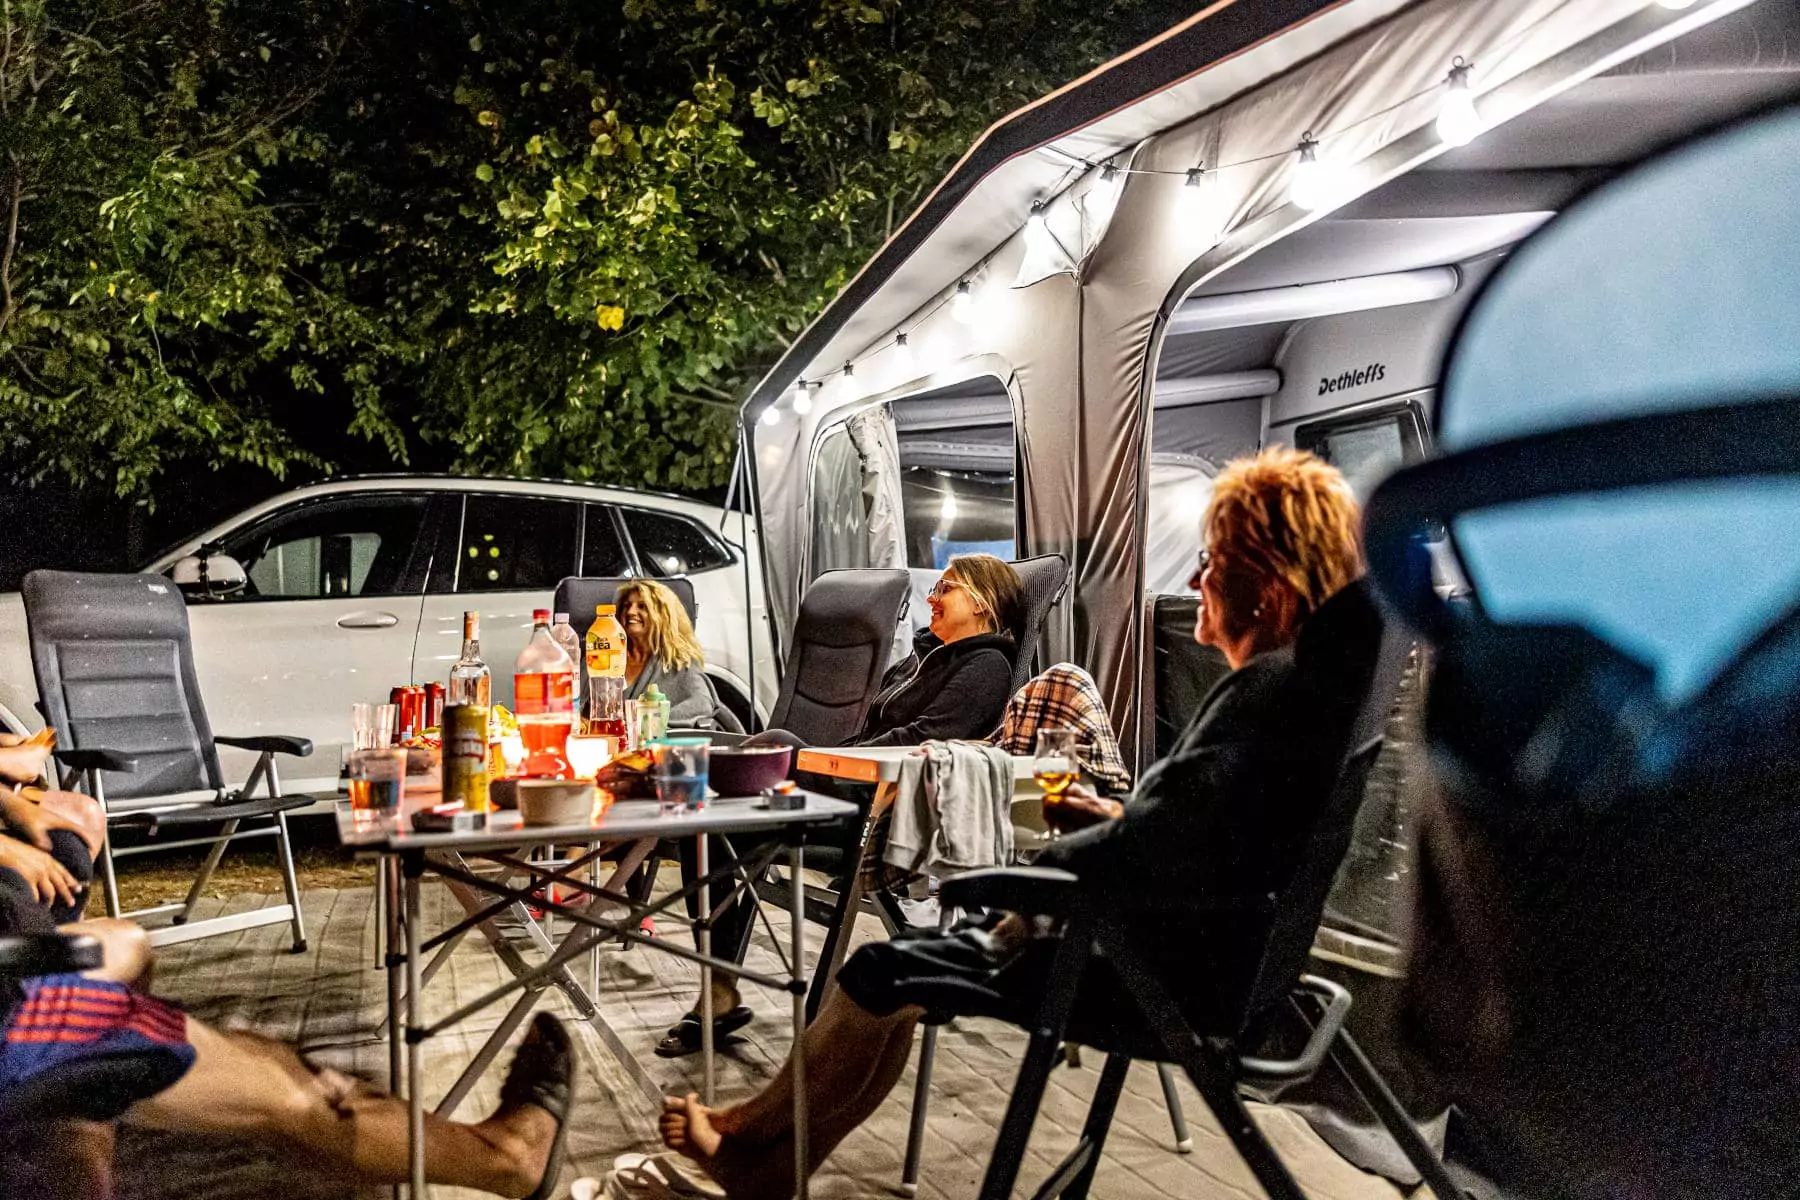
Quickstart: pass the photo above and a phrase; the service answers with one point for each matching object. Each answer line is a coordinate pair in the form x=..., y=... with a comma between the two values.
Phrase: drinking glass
x=1057, y=764
x=378, y=779
x=387, y=724
x=362, y=726
x=681, y=769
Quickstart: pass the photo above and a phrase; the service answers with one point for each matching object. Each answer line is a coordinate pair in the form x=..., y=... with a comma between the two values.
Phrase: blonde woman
x=661, y=649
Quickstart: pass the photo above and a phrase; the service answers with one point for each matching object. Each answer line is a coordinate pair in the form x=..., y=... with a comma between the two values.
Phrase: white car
x=356, y=585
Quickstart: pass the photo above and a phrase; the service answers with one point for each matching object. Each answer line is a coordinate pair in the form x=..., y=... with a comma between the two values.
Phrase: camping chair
x=1217, y=1054
x=580, y=595
x=115, y=676
x=1044, y=579
x=1610, y=861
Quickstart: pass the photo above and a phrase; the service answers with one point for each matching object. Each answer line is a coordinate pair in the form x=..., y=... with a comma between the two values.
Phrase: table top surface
x=875, y=764
x=624, y=820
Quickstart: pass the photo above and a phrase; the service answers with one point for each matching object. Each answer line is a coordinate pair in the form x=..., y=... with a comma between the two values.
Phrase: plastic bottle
x=544, y=695
x=605, y=701
x=653, y=714
x=565, y=636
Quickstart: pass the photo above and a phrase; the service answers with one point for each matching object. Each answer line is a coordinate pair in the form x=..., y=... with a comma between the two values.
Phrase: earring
x=1257, y=611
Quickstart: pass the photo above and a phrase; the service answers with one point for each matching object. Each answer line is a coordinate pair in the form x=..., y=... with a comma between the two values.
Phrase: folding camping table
x=406, y=855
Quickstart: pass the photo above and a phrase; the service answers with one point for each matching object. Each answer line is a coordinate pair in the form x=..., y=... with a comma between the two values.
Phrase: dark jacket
x=957, y=690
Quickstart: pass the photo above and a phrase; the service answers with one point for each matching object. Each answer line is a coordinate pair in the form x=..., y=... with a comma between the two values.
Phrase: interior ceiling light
x=1458, y=123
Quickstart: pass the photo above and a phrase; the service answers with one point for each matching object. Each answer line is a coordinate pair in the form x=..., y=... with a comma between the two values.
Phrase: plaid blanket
x=1066, y=696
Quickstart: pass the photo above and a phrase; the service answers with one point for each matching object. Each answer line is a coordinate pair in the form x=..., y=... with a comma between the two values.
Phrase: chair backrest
x=1044, y=579
x=579, y=595
x=840, y=651
x=115, y=671
x=1185, y=670
x=1345, y=649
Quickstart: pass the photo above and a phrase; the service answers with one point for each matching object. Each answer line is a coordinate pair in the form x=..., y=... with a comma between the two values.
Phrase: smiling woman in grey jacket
x=661, y=649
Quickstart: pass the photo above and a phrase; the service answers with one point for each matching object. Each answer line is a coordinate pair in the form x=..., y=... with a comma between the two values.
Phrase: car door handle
x=368, y=620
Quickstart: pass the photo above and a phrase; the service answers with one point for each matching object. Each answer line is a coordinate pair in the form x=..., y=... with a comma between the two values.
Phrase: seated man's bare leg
x=853, y=1060
x=242, y=1086
x=128, y=953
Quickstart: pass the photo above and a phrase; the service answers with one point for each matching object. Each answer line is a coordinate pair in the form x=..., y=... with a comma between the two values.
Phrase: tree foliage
x=545, y=237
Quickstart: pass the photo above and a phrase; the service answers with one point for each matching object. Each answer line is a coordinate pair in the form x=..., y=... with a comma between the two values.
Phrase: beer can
x=434, y=705
x=465, y=756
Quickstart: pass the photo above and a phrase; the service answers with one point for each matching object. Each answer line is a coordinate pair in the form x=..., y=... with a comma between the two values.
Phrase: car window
x=348, y=546
x=516, y=543
x=603, y=551
x=671, y=545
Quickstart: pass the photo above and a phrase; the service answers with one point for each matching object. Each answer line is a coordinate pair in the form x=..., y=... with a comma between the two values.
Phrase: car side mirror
x=209, y=574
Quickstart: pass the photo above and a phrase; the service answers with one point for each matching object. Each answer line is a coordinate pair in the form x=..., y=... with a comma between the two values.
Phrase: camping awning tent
x=1139, y=264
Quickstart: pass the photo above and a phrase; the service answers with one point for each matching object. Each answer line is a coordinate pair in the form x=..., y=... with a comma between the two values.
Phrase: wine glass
x=1056, y=765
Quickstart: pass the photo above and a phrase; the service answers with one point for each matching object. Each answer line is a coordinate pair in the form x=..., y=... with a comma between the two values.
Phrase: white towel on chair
x=952, y=809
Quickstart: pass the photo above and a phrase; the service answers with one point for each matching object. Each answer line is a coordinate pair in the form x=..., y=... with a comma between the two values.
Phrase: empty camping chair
x=115, y=676
x=1343, y=648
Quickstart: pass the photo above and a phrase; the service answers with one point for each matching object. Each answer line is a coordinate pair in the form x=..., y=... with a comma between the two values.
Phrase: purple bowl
x=747, y=770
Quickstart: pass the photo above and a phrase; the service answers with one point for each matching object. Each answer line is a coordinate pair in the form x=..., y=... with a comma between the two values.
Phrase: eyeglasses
x=1207, y=560
x=942, y=586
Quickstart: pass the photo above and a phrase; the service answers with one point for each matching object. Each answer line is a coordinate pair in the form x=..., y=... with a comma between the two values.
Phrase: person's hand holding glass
x=1068, y=805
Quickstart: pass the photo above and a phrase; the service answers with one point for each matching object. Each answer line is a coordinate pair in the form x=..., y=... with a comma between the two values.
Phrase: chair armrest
x=1335, y=1000
x=270, y=743
x=1038, y=890
x=87, y=759
x=25, y=955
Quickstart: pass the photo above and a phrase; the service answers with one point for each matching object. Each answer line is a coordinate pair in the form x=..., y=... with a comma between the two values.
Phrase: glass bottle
x=470, y=680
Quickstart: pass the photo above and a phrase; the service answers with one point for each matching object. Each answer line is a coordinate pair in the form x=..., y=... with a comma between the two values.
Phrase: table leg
x=797, y=947
x=393, y=958
x=415, y=1049
x=705, y=939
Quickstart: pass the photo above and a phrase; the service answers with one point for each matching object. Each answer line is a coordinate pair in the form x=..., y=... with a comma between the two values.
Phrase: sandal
x=543, y=1073
x=684, y=1036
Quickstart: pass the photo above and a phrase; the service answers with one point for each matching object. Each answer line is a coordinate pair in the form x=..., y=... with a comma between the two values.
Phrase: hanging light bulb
x=1193, y=192
x=1313, y=184
x=771, y=416
x=1103, y=197
x=1038, y=239
x=849, y=370
x=1458, y=123
x=903, y=354
x=963, y=306
x=802, y=399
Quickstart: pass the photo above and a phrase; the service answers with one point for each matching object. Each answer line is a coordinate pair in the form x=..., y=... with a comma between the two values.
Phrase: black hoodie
x=957, y=690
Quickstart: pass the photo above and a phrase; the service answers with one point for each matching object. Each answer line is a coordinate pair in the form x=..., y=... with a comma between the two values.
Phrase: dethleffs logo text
x=1372, y=373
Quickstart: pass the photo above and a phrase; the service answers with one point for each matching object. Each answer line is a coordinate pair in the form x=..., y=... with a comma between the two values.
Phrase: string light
x=963, y=306
x=1193, y=192
x=771, y=416
x=1313, y=184
x=1103, y=197
x=1458, y=123
x=1037, y=229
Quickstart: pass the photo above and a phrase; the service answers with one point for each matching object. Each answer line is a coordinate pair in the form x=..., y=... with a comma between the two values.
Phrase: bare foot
x=692, y=1130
